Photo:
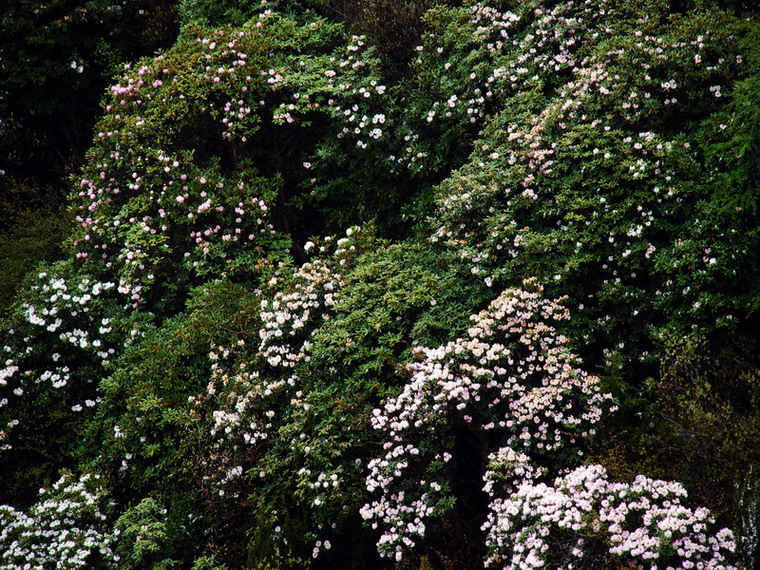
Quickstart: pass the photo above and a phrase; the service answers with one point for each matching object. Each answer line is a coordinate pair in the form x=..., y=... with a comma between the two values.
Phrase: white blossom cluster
x=251, y=392
x=350, y=91
x=284, y=326
x=65, y=319
x=586, y=519
x=521, y=163
x=492, y=58
x=62, y=530
x=288, y=313
x=512, y=376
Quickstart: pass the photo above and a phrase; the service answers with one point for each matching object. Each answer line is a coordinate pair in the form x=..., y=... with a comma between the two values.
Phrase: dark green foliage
x=143, y=533
x=709, y=409
x=218, y=12
x=41, y=450
x=55, y=60
x=393, y=27
x=147, y=431
x=34, y=237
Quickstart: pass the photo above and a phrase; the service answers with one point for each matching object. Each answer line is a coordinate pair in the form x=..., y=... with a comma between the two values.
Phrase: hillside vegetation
x=385, y=284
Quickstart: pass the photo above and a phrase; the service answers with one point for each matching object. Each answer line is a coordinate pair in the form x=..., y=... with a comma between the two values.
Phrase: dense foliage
x=382, y=284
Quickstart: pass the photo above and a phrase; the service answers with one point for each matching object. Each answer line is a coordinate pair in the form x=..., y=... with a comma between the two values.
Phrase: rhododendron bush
x=290, y=410
x=592, y=180
x=67, y=528
x=586, y=519
x=512, y=381
x=322, y=307
x=518, y=387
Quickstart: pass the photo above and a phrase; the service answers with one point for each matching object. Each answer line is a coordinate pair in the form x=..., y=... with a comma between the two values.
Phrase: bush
x=65, y=528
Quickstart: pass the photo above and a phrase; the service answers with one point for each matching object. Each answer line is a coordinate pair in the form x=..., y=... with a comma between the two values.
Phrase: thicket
x=391, y=284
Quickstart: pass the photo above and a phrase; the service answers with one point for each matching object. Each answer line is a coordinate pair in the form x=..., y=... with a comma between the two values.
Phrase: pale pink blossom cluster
x=204, y=217
x=584, y=519
x=511, y=379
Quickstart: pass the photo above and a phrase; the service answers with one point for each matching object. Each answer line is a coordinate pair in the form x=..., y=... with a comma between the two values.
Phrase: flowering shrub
x=298, y=305
x=250, y=394
x=173, y=194
x=587, y=179
x=65, y=529
x=66, y=329
x=515, y=383
x=512, y=380
x=257, y=391
x=585, y=519
x=289, y=414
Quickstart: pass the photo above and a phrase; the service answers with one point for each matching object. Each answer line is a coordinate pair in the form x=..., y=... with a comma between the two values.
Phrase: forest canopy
x=380, y=284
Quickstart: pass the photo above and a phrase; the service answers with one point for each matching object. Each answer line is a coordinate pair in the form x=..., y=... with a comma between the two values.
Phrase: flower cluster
x=288, y=313
x=254, y=391
x=62, y=530
x=248, y=412
x=172, y=215
x=586, y=519
x=493, y=57
x=64, y=319
x=512, y=379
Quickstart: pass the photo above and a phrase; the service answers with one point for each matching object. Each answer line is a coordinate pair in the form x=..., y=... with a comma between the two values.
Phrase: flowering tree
x=260, y=407
x=514, y=382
